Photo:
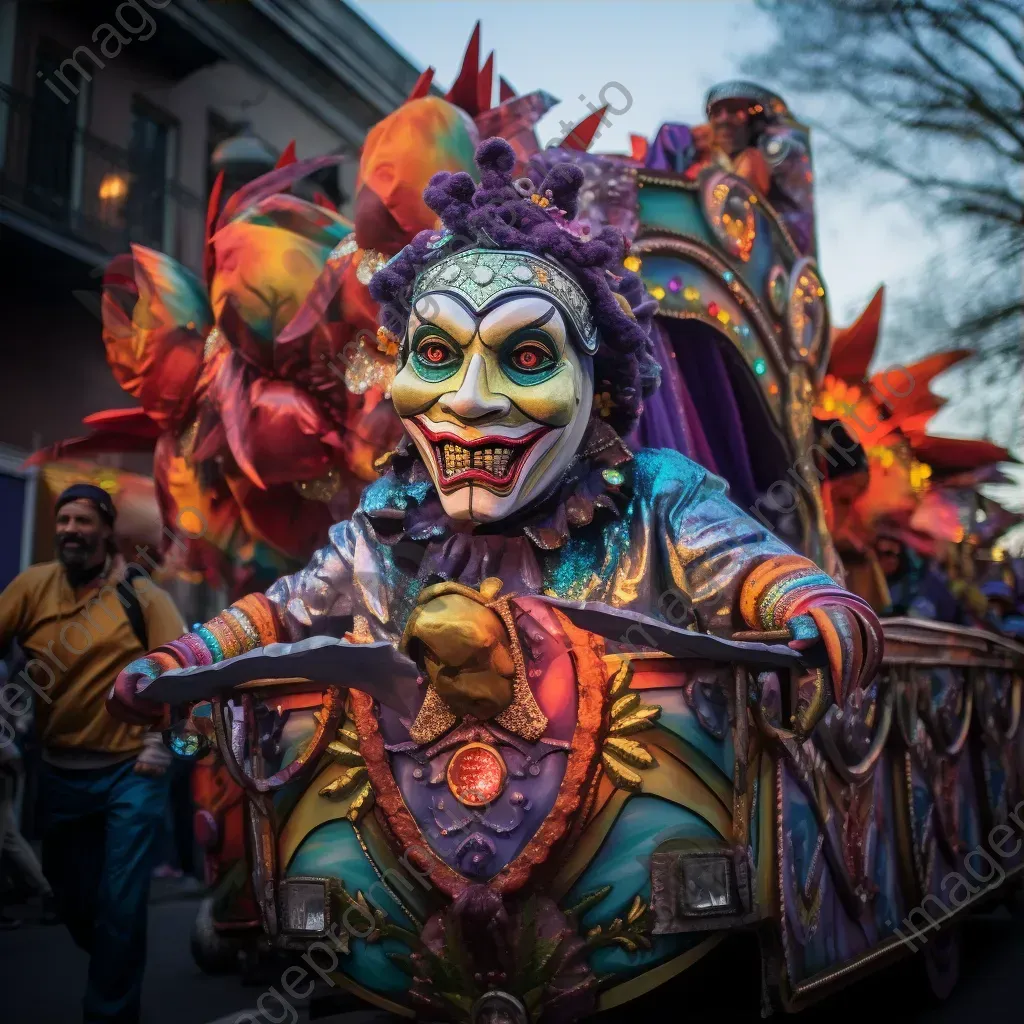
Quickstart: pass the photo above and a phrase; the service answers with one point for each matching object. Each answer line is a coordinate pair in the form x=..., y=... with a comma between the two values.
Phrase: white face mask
x=497, y=402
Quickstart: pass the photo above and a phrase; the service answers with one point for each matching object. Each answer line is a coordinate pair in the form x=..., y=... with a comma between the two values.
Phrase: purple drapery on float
x=696, y=410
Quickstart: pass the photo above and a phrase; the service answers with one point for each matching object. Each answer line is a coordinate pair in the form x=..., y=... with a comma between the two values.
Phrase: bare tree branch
x=942, y=21
x=1014, y=43
x=930, y=92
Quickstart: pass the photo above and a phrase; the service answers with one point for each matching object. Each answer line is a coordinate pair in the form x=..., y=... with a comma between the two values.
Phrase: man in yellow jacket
x=79, y=621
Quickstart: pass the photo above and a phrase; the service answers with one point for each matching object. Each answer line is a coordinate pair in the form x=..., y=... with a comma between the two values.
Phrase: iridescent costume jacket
x=652, y=531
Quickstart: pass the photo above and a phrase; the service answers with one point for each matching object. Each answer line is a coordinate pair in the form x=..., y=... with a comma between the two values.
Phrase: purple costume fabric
x=672, y=150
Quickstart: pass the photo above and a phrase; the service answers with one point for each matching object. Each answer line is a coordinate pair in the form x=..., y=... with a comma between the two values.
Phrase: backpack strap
x=132, y=604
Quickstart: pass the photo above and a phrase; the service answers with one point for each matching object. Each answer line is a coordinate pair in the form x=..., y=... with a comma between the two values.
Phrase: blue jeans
x=100, y=827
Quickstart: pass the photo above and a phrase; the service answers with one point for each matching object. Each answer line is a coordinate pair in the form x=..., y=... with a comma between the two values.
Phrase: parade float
x=548, y=753
x=537, y=768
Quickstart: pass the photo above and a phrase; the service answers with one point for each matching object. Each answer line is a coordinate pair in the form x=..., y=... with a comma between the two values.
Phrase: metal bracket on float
x=697, y=886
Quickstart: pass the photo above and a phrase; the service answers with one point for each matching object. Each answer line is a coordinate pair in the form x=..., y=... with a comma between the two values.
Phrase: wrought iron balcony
x=57, y=175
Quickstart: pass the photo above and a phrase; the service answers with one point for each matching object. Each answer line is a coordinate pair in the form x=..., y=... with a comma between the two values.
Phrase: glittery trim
x=212, y=643
x=230, y=643
x=772, y=606
x=143, y=667
x=200, y=652
x=523, y=716
x=261, y=613
x=252, y=638
x=478, y=275
x=182, y=651
x=433, y=720
x=769, y=583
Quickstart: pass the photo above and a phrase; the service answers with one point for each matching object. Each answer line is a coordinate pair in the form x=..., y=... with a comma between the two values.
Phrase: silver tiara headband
x=478, y=275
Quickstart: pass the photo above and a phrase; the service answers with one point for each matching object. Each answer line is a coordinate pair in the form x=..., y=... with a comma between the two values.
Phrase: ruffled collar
x=597, y=482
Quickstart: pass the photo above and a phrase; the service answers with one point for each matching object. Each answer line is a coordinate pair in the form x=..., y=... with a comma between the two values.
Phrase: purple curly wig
x=497, y=216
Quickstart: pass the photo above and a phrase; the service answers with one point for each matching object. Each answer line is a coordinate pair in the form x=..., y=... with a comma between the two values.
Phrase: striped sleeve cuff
x=777, y=586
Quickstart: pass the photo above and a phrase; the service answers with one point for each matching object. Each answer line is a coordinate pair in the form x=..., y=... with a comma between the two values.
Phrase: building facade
x=110, y=115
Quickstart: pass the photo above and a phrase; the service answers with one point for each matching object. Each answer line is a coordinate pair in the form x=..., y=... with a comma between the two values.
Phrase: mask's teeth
x=455, y=459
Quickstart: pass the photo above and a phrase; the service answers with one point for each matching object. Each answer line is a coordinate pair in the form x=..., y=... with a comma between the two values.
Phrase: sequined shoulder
x=393, y=492
x=662, y=472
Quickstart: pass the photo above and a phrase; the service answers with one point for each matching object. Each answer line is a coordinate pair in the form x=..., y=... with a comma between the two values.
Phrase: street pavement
x=43, y=976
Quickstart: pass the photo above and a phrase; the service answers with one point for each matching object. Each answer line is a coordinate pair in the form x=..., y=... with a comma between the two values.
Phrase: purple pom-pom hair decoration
x=501, y=214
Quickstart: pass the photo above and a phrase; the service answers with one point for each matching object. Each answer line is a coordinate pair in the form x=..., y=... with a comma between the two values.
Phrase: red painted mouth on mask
x=494, y=461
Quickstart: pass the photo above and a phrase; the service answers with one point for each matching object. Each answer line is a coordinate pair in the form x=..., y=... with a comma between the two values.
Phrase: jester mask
x=497, y=385
x=509, y=319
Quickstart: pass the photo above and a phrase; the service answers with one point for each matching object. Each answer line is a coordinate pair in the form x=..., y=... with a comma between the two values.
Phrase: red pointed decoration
x=580, y=137
x=463, y=90
x=287, y=157
x=505, y=91
x=323, y=200
x=638, y=147
x=212, y=210
x=112, y=430
x=422, y=86
x=485, y=85
x=958, y=454
x=853, y=347
x=280, y=179
x=906, y=390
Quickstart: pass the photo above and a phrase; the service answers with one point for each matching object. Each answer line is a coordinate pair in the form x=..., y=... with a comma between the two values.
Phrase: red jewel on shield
x=476, y=774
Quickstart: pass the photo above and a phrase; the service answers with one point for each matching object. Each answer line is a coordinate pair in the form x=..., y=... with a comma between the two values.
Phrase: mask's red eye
x=530, y=357
x=432, y=352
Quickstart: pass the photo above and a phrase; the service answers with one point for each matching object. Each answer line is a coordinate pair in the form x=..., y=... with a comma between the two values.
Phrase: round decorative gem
x=658, y=292
x=613, y=477
x=451, y=273
x=728, y=277
x=675, y=284
x=729, y=208
x=523, y=273
x=483, y=275
x=476, y=774
x=760, y=366
x=691, y=294
x=713, y=308
x=778, y=285
x=806, y=312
